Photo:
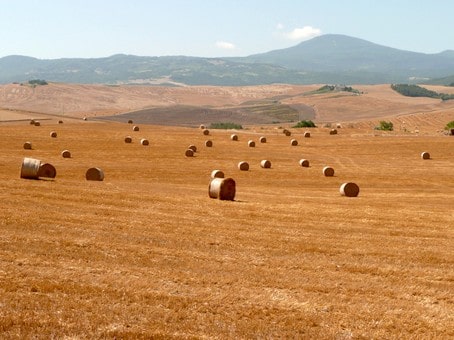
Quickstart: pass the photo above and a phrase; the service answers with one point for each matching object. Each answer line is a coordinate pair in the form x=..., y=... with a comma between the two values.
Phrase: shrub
x=226, y=126
x=305, y=123
x=37, y=82
x=450, y=125
x=385, y=126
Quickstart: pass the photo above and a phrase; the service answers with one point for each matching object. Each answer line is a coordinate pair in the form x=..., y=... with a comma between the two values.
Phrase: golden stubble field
x=146, y=253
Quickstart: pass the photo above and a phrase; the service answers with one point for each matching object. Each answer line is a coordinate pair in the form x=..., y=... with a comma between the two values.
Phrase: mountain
x=328, y=59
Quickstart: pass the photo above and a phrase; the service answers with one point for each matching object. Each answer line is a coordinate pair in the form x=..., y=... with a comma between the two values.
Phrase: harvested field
x=146, y=253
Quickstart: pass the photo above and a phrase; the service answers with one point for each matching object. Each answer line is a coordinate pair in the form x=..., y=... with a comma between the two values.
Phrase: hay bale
x=60, y=122
x=243, y=166
x=144, y=142
x=37, y=123
x=328, y=171
x=338, y=126
x=286, y=132
x=266, y=164
x=189, y=153
x=208, y=143
x=217, y=174
x=222, y=188
x=53, y=134
x=304, y=163
x=47, y=170
x=262, y=139
x=85, y=118
x=130, y=121
x=206, y=132
x=349, y=189
x=234, y=137
x=66, y=154
x=94, y=174
x=28, y=145
x=30, y=168
x=251, y=144
x=128, y=139
x=32, y=122
x=135, y=128
x=451, y=132
x=425, y=155
x=293, y=142
x=203, y=127
x=333, y=132
x=307, y=134
x=192, y=147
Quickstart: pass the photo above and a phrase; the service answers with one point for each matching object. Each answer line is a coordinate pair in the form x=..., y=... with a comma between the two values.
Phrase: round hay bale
x=130, y=121
x=189, y=153
x=192, y=147
x=251, y=144
x=333, y=132
x=144, y=142
x=304, y=163
x=28, y=145
x=328, y=171
x=338, y=126
x=222, y=188
x=243, y=166
x=349, y=189
x=60, y=122
x=234, y=137
x=206, y=132
x=287, y=132
x=307, y=134
x=47, y=170
x=128, y=139
x=30, y=168
x=293, y=142
x=262, y=139
x=94, y=174
x=208, y=143
x=37, y=123
x=85, y=118
x=135, y=128
x=266, y=164
x=217, y=174
x=203, y=127
x=53, y=134
x=425, y=155
x=32, y=122
x=66, y=154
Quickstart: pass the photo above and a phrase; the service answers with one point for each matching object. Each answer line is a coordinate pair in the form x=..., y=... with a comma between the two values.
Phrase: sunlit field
x=147, y=253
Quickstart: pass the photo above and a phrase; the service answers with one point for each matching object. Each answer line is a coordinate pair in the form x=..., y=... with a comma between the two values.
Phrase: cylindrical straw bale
x=262, y=139
x=243, y=166
x=85, y=118
x=222, y=188
x=28, y=145
x=32, y=122
x=37, y=123
x=251, y=144
x=135, y=128
x=425, y=155
x=60, y=122
x=208, y=143
x=328, y=171
x=202, y=127
x=53, y=134
x=66, y=154
x=304, y=163
x=130, y=121
x=333, y=132
x=294, y=142
x=206, y=132
x=47, y=170
x=189, y=153
x=94, y=174
x=128, y=139
x=266, y=164
x=287, y=132
x=30, y=168
x=307, y=134
x=192, y=147
x=349, y=189
x=234, y=137
x=217, y=174
x=144, y=142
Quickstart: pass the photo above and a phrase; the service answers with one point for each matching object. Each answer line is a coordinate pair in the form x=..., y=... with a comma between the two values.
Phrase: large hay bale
x=85, y=118
x=286, y=132
x=262, y=139
x=234, y=137
x=47, y=170
x=66, y=154
x=189, y=153
x=293, y=142
x=192, y=147
x=128, y=139
x=425, y=155
x=333, y=132
x=304, y=163
x=222, y=188
x=94, y=174
x=32, y=122
x=130, y=121
x=37, y=123
x=30, y=168
x=266, y=164
x=217, y=174
x=243, y=166
x=135, y=128
x=206, y=132
x=60, y=122
x=28, y=145
x=208, y=143
x=53, y=134
x=203, y=127
x=307, y=134
x=349, y=189
x=144, y=142
x=251, y=144
x=328, y=171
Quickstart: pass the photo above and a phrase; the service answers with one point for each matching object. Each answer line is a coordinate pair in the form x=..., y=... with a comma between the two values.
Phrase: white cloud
x=280, y=26
x=304, y=33
x=225, y=45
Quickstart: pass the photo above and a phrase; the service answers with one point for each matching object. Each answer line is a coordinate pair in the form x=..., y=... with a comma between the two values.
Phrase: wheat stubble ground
x=146, y=253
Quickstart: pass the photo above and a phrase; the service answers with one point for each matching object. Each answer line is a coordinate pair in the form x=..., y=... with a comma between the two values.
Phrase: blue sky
x=50, y=29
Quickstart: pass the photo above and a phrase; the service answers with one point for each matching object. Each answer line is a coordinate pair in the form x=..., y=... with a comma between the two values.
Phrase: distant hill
x=327, y=59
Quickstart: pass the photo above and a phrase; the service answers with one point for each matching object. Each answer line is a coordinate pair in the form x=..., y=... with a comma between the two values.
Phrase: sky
x=52, y=29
